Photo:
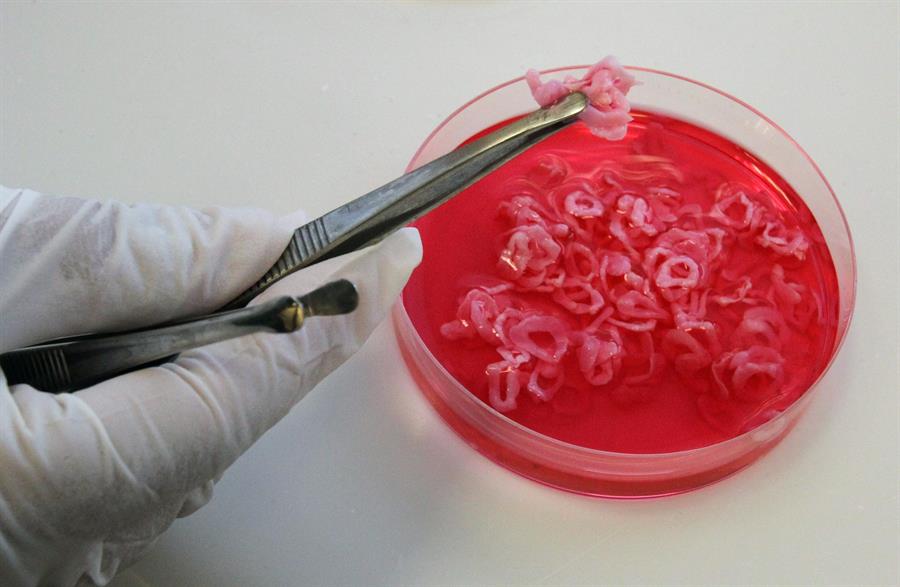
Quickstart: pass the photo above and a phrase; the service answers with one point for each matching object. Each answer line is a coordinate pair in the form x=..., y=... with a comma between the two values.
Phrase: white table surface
x=303, y=104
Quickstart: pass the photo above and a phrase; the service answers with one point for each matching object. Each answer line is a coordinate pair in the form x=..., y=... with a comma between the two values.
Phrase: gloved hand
x=89, y=480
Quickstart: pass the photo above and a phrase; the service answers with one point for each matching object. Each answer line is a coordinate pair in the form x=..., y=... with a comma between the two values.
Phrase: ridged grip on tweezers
x=308, y=241
x=46, y=370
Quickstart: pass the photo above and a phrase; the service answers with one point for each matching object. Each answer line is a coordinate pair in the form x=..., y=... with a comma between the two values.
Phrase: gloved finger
x=104, y=462
x=70, y=265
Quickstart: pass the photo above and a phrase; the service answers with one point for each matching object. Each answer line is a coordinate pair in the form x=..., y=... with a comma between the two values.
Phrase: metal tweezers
x=73, y=363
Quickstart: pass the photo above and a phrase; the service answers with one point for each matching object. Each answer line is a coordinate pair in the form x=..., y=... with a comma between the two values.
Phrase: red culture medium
x=660, y=293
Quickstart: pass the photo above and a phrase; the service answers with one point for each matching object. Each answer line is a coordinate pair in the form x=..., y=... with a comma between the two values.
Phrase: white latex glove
x=89, y=480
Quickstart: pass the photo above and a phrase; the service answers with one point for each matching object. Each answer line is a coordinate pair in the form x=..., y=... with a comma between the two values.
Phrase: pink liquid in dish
x=660, y=293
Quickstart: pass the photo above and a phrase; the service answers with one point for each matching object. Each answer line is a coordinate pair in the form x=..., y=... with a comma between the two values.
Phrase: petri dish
x=589, y=470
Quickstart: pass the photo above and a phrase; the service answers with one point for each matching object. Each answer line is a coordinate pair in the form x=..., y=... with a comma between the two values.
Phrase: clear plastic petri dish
x=590, y=471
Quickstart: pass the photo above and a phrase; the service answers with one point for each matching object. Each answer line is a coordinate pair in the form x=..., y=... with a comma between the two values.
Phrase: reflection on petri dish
x=631, y=318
